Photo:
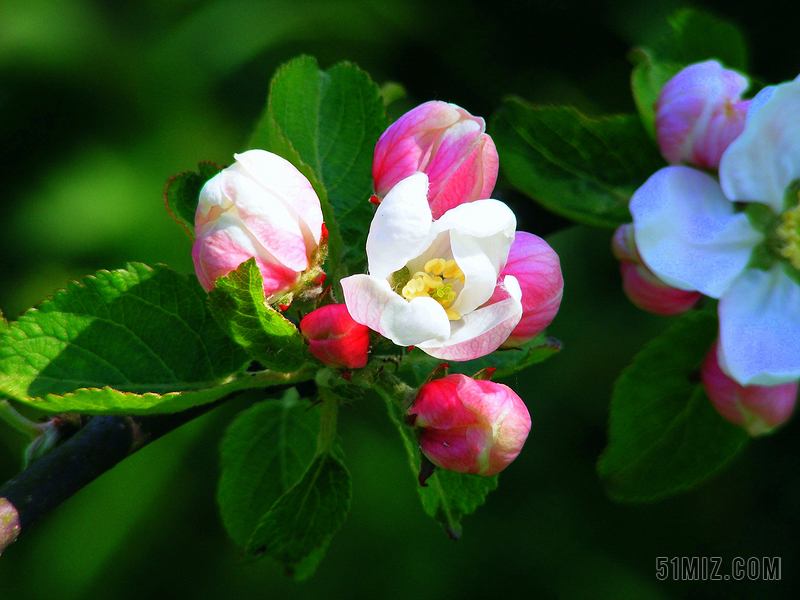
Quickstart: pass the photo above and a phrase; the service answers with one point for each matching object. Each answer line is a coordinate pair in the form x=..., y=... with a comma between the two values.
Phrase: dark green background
x=100, y=102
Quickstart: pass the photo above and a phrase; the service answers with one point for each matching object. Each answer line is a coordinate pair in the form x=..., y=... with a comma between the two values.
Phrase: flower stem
x=327, y=423
x=18, y=422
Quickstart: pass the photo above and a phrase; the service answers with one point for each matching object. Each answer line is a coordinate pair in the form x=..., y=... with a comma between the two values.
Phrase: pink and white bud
x=641, y=285
x=445, y=142
x=759, y=409
x=538, y=270
x=335, y=338
x=261, y=207
x=699, y=113
x=470, y=426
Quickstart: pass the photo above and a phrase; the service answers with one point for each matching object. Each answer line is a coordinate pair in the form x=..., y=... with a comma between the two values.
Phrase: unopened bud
x=538, y=270
x=699, y=113
x=335, y=338
x=470, y=426
x=759, y=409
x=642, y=287
x=445, y=142
x=260, y=207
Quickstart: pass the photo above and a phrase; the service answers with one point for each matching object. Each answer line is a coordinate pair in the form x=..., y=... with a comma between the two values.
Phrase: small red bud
x=335, y=338
x=758, y=409
x=470, y=426
x=375, y=199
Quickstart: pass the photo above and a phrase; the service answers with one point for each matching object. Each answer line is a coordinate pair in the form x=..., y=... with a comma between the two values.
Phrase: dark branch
x=96, y=448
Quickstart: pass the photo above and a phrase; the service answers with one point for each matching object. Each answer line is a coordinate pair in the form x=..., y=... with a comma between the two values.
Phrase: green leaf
x=300, y=523
x=508, y=361
x=664, y=434
x=183, y=193
x=696, y=36
x=327, y=123
x=239, y=305
x=265, y=452
x=130, y=341
x=449, y=496
x=582, y=168
x=647, y=79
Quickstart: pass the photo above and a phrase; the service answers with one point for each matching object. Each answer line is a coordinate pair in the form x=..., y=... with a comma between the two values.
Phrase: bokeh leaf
x=694, y=36
x=239, y=305
x=327, y=123
x=144, y=334
x=183, y=193
x=664, y=434
x=265, y=452
x=647, y=79
x=698, y=35
x=582, y=168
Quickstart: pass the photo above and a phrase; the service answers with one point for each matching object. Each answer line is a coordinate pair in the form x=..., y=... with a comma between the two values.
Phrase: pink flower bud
x=758, y=409
x=335, y=338
x=445, y=142
x=538, y=270
x=470, y=426
x=699, y=113
x=641, y=285
x=261, y=207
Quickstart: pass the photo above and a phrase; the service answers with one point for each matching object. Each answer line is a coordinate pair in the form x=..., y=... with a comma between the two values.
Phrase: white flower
x=690, y=234
x=430, y=282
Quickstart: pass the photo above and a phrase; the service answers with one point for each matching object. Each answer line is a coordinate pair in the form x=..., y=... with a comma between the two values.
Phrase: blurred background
x=102, y=101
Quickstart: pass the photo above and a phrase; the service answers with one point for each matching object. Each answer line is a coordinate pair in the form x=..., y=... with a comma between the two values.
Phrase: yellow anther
x=789, y=232
x=435, y=266
x=430, y=282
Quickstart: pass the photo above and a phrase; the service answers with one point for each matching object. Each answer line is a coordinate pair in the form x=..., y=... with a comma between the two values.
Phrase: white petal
x=759, y=100
x=687, y=232
x=482, y=331
x=283, y=180
x=759, y=319
x=764, y=160
x=401, y=226
x=371, y=302
x=481, y=234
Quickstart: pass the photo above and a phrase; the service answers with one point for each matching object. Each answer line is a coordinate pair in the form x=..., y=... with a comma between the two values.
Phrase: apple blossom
x=759, y=409
x=445, y=142
x=335, y=338
x=537, y=268
x=691, y=232
x=434, y=284
x=640, y=284
x=470, y=426
x=261, y=207
x=699, y=113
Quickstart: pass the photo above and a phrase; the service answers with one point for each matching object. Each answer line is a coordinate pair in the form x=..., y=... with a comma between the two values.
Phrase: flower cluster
x=447, y=271
x=734, y=237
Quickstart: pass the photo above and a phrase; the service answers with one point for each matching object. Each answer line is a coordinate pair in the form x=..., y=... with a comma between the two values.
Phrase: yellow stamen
x=789, y=232
x=435, y=266
x=431, y=283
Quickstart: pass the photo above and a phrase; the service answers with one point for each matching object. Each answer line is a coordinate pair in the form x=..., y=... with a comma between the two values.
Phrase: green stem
x=327, y=423
x=396, y=390
x=18, y=422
